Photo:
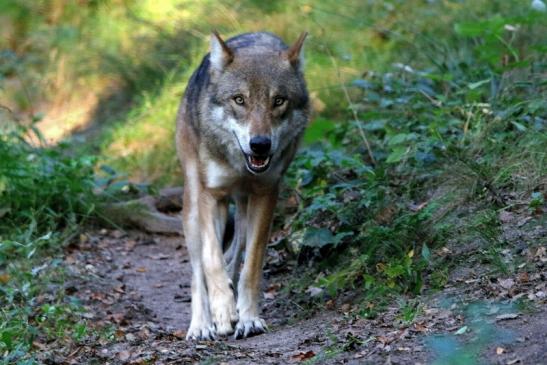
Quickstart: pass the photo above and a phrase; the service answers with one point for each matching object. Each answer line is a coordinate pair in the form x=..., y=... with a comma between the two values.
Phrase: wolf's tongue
x=257, y=160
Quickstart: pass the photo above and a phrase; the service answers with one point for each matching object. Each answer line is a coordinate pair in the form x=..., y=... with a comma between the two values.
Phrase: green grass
x=44, y=198
x=450, y=97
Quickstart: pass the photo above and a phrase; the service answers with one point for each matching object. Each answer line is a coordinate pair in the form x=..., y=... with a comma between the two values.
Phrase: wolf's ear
x=294, y=53
x=221, y=55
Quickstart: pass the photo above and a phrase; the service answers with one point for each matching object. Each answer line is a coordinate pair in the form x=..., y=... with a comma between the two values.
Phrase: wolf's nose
x=261, y=145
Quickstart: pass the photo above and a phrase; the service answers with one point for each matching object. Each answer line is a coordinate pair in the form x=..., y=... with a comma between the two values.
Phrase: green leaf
x=398, y=139
x=7, y=338
x=397, y=154
x=426, y=253
x=469, y=29
x=475, y=85
x=520, y=127
x=318, y=237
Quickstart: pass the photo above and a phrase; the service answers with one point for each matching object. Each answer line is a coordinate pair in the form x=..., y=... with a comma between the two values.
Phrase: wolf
x=239, y=125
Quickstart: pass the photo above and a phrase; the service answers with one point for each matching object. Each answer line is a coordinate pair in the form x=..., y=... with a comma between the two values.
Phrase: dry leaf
x=124, y=355
x=384, y=340
x=420, y=327
x=499, y=350
x=304, y=355
x=506, y=283
x=141, y=269
x=117, y=317
x=179, y=334
x=523, y=277
x=506, y=217
x=417, y=207
x=39, y=345
x=314, y=291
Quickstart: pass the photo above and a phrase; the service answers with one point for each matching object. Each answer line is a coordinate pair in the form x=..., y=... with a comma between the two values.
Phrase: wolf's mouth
x=257, y=164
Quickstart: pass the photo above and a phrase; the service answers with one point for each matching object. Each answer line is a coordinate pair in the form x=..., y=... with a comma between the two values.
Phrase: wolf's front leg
x=233, y=256
x=213, y=215
x=201, y=326
x=259, y=217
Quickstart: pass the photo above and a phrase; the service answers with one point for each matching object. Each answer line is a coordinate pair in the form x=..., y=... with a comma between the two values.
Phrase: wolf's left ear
x=221, y=55
x=294, y=53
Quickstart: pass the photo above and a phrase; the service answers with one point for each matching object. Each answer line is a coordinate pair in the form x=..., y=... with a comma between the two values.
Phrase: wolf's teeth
x=258, y=162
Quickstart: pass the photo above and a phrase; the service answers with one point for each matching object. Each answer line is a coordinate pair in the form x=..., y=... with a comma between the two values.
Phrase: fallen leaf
x=385, y=216
x=141, y=269
x=420, y=327
x=117, y=317
x=345, y=308
x=506, y=283
x=179, y=334
x=314, y=291
x=124, y=355
x=461, y=331
x=499, y=350
x=4, y=278
x=417, y=207
x=39, y=345
x=523, y=277
x=304, y=355
x=144, y=333
x=130, y=245
x=271, y=292
x=506, y=217
x=384, y=340
x=130, y=337
x=159, y=285
x=97, y=296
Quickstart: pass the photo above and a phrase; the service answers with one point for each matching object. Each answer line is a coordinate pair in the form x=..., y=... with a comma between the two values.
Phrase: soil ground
x=136, y=290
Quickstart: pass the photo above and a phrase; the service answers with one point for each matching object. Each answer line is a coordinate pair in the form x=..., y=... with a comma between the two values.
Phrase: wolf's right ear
x=294, y=54
x=221, y=55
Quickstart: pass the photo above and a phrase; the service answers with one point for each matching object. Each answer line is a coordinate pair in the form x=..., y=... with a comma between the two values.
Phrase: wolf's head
x=258, y=95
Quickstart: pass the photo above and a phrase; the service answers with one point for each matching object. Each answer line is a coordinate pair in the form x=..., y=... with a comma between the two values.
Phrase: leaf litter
x=137, y=305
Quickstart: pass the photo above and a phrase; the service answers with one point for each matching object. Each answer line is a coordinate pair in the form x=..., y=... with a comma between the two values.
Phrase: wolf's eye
x=238, y=99
x=279, y=100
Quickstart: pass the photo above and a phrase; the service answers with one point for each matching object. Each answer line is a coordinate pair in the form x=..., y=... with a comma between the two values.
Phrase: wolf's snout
x=261, y=145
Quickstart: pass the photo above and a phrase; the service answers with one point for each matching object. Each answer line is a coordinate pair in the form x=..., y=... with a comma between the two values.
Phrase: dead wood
x=149, y=213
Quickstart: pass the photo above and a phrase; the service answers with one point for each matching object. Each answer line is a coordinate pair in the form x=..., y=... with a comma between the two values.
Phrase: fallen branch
x=149, y=213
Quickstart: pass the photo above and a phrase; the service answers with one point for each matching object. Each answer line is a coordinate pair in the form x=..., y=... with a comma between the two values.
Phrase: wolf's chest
x=219, y=176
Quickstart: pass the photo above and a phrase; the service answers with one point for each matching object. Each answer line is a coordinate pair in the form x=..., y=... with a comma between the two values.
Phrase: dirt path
x=135, y=288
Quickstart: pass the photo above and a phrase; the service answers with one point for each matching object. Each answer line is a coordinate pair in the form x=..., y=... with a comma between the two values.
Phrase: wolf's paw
x=250, y=327
x=201, y=333
x=223, y=312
